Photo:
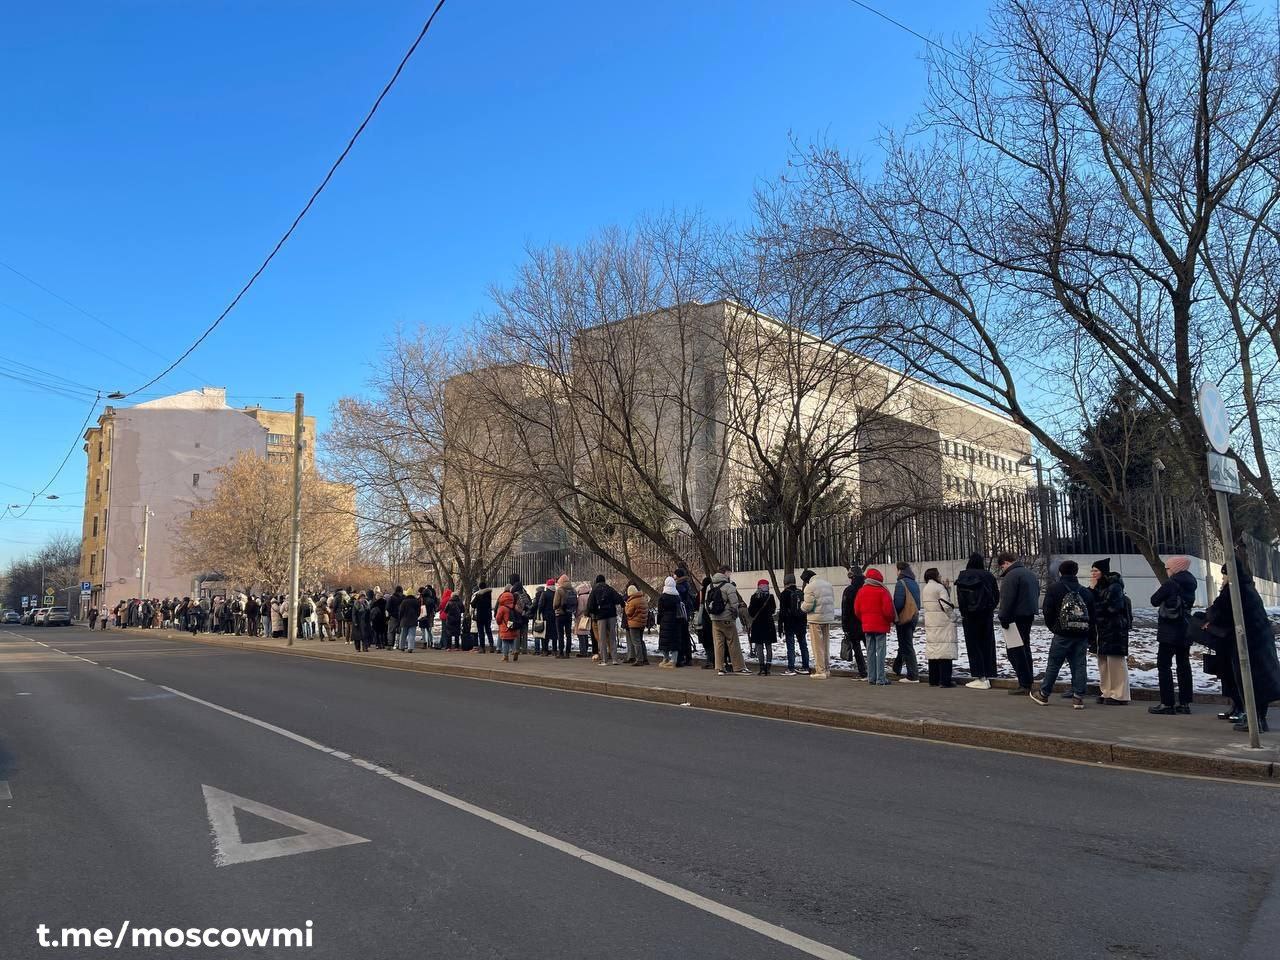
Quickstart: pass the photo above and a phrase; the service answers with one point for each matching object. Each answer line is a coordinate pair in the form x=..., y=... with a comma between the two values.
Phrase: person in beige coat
x=941, y=641
x=819, y=607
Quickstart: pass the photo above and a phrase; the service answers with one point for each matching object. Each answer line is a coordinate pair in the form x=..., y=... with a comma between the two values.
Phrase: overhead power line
x=902, y=26
x=70, y=450
x=426, y=27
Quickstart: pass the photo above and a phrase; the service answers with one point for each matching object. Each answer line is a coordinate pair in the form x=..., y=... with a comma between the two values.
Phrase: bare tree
x=421, y=458
x=1053, y=210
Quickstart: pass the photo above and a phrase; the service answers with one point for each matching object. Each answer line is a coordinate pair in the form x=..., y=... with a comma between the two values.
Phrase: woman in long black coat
x=1264, y=663
x=673, y=624
x=764, y=631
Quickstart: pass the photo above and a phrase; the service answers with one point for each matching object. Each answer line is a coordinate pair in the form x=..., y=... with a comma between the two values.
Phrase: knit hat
x=599, y=578
x=806, y=575
x=762, y=583
x=789, y=580
x=669, y=587
x=876, y=575
x=551, y=582
x=632, y=590
x=1103, y=566
x=1177, y=564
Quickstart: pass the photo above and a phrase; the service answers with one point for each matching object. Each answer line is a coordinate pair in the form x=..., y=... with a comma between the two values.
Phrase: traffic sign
x=86, y=588
x=1213, y=415
x=26, y=602
x=1223, y=474
x=48, y=592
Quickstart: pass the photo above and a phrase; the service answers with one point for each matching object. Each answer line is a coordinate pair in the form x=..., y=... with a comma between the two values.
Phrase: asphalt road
x=873, y=846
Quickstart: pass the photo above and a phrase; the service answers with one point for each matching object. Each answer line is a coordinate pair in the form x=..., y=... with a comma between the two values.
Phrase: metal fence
x=1034, y=524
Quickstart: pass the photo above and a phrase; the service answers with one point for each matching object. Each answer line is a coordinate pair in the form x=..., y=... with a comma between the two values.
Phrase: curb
x=1053, y=746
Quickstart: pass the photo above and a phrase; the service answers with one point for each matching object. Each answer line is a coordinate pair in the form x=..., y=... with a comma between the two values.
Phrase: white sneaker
x=719, y=673
x=907, y=680
x=788, y=673
x=979, y=684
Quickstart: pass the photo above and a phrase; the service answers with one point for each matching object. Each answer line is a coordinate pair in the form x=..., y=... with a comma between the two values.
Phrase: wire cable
x=72, y=449
x=298, y=219
x=902, y=26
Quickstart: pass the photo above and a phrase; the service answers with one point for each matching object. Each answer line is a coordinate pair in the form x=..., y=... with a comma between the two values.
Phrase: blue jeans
x=507, y=646
x=408, y=634
x=792, y=635
x=1073, y=651
x=877, y=645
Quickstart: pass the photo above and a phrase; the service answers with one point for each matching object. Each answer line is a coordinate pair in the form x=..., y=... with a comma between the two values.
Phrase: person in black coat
x=1173, y=602
x=764, y=634
x=851, y=643
x=1260, y=638
x=704, y=628
x=602, y=607
x=977, y=594
x=1112, y=617
x=791, y=621
x=673, y=624
x=689, y=595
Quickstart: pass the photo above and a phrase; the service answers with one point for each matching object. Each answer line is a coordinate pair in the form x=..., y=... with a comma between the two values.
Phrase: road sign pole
x=295, y=552
x=1237, y=615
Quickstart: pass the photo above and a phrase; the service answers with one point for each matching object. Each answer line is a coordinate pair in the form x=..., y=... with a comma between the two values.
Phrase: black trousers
x=1166, y=656
x=1020, y=657
x=940, y=673
x=851, y=649
x=980, y=644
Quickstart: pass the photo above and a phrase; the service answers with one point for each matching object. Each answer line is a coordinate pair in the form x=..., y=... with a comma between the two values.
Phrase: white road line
x=131, y=676
x=5, y=792
x=78, y=657
x=774, y=932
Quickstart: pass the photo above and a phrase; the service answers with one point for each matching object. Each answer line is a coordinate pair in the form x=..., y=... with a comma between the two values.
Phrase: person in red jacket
x=873, y=606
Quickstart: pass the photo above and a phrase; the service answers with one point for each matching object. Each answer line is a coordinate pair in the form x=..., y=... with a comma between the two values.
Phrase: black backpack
x=973, y=594
x=520, y=607
x=1175, y=609
x=715, y=599
x=1073, y=615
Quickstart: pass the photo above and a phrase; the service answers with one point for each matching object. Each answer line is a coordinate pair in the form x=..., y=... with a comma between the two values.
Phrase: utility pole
x=296, y=554
x=142, y=570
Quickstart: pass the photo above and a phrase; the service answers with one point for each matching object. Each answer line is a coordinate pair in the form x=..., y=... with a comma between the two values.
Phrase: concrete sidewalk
x=1127, y=736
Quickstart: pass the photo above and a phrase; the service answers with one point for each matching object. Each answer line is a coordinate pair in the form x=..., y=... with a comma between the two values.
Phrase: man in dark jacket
x=1067, y=614
x=410, y=607
x=792, y=622
x=482, y=616
x=1261, y=640
x=906, y=631
x=689, y=596
x=602, y=607
x=977, y=595
x=544, y=605
x=1019, y=600
x=1173, y=603
x=393, y=616
x=851, y=643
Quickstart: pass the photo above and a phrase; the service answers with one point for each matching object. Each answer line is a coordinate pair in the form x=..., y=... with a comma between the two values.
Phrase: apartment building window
x=95, y=528
x=278, y=439
x=277, y=457
x=99, y=451
x=93, y=557
x=97, y=486
x=195, y=480
x=108, y=479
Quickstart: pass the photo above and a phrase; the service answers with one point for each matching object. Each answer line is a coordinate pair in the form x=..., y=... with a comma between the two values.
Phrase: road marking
x=154, y=696
x=78, y=657
x=5, y=792
x=24, y=693
x=774, y=932
x=131, y=676
x=228, y=848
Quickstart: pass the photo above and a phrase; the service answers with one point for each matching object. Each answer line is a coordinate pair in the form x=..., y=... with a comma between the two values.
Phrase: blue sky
x=154, y=151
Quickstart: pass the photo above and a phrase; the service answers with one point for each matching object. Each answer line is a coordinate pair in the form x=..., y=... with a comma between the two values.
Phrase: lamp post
x=1029, y=460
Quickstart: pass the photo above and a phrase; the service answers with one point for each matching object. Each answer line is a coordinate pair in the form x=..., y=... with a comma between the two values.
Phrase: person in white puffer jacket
x=819, y=607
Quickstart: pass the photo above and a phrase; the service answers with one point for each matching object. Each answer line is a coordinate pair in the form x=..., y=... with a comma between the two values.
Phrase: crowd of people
x=547, y=621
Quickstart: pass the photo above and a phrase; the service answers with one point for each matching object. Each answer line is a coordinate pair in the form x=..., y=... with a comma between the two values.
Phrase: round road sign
x=1213, y=415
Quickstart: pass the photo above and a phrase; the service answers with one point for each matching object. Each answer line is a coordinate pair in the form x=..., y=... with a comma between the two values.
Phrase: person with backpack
x=723, y=607
x=852, y=641
x=791, y=623
x=875, y=611
x=1173, y=602
x=1112, y=616
x=941, y=645
x=602, y=605
x=906, y=601
x=819, y=606
x=482, y=617
x=977, y=593
x=1019, y=602
x=636, y=612
x=521, y=611
x=564, y=606
x=764, y=633
x=1068, y=615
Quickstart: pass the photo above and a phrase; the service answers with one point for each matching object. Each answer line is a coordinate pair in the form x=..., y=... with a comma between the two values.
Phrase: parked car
x=38, y=619
x=57, y=617
x=12, y=616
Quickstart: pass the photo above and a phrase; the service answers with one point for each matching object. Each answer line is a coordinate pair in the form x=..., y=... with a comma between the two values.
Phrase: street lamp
x=1027, y=460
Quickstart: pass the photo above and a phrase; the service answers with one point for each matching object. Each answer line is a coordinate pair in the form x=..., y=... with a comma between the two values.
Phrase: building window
x=195, y=480
x=277, y=458
x=93, y=559
x=99, y=451
x=108, y=479
x=95, y=528
x=97, y=486
x=278, y=439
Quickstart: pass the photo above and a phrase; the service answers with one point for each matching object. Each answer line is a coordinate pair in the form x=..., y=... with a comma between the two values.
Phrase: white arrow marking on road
x=228, y=848
x=5, y=792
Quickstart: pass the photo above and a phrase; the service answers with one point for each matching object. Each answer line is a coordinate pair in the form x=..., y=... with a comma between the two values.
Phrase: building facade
x=158, y=459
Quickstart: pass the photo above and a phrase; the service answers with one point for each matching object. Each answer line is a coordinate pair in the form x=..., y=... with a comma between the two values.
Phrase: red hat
x=762, y=583
x=551, y=583
x=874, y=574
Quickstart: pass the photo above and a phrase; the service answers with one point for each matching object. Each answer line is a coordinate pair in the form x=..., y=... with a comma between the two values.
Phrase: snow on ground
x=1142, y=654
